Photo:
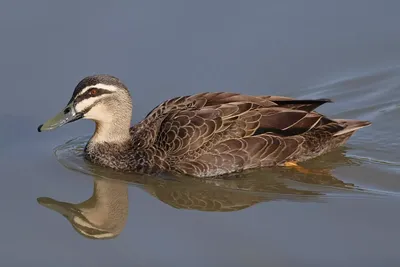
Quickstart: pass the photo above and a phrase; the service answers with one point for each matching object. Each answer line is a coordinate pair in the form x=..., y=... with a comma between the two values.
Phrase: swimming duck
x=203, y=135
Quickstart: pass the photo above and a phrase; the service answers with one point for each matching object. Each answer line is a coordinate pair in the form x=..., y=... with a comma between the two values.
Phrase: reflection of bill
x=104, y=214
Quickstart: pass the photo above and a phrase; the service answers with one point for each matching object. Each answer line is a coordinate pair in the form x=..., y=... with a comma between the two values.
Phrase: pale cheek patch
x=98, y=113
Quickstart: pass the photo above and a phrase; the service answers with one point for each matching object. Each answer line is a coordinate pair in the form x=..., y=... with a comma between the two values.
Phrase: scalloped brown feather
x=211, y=134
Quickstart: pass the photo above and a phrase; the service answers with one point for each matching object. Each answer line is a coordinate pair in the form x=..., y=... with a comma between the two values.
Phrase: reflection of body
x=104, y=214
x=202, y=135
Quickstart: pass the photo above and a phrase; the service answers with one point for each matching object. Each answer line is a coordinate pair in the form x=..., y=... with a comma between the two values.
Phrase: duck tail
x=350, y=126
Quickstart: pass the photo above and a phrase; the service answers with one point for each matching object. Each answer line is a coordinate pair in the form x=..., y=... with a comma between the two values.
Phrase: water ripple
x=271, y=183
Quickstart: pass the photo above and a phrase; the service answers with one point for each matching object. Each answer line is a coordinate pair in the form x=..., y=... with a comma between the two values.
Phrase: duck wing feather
x=213, y=133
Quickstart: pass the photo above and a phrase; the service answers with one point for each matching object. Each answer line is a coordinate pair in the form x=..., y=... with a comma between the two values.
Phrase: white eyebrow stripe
x=85, y=103
x=107, y=87
x=82, y=222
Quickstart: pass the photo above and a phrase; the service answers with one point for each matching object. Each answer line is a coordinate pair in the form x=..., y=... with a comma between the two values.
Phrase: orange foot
x=301, y=169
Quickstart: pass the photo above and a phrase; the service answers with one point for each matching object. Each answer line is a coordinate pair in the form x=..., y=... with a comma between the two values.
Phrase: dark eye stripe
x=87, y=95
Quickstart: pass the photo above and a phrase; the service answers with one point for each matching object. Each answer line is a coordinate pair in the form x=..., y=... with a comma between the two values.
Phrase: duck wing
x=146, y=132
x=188, y=123
x=274, y=120
x=203, y=133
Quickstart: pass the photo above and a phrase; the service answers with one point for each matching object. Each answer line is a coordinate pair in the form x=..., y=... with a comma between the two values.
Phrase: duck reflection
x=102, y=216
x=105, y=213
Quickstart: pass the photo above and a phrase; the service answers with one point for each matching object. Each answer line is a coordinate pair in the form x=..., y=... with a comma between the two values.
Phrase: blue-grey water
x=345, y=50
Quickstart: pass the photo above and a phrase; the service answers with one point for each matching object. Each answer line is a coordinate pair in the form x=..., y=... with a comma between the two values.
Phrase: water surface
x=344, y=50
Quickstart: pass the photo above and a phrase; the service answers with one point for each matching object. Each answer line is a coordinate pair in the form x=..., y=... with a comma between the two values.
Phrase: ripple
x=377, y=161
x=267, y=184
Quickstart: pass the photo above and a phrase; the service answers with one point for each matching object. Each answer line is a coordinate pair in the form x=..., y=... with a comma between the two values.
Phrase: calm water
x=348, y=51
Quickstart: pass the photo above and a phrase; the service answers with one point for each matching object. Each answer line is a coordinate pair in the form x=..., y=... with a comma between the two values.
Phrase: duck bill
x=66, y=209
x=67, y=115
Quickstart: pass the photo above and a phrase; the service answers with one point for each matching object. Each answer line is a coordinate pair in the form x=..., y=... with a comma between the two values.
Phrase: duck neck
x=115, y=131
x=108, y=206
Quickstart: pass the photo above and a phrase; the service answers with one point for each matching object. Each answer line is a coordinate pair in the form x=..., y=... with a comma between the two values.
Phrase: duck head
x=101, y=98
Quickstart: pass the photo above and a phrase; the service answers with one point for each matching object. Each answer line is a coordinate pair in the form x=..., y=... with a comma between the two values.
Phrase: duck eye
x=93, y=92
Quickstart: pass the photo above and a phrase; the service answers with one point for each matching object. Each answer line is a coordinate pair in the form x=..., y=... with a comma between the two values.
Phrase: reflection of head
x=102, y=216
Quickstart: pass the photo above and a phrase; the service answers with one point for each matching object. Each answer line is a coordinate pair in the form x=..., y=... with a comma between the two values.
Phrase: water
x=347, y=51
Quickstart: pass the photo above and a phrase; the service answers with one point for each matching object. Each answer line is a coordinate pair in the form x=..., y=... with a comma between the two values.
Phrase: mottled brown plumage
x=216, y=133
x=209, y=134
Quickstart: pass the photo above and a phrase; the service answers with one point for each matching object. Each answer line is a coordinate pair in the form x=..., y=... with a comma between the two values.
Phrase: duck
x=207, y=134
